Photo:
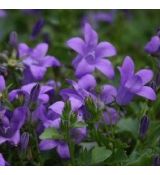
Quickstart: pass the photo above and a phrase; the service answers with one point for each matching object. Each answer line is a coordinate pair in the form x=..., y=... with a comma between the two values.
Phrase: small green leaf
x=79, y=124
x=50, y=133
x=99, y=154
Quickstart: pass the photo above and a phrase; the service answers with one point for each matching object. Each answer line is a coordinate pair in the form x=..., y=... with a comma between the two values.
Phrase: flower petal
x=105, y=66
x=47, y=144
x=146, y=75
x=90, y=35
x=108, y=94
x=87, y=82
x=153, y=45
x=105, y=49
x=127, y=69
x=84, y=68
x=63, y=150
x=2, y=83
x=40, y=51
x=57, y=107
x=37, y=72
x=77, y=44
x=147, y=92
x=23, y=50
x=49, y=61
x=134, y=84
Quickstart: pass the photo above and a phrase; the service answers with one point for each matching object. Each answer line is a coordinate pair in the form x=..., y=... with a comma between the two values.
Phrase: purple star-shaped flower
x=2, y=160
x=91, y=54
x=11, y=123
x=133, y=83
x=80, y=90
x=36, y=61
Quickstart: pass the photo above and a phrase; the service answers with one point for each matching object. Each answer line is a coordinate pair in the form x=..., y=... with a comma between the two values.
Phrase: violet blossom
x=2, y=84
x=2, y=160
x=36, y=61
x=91, y=54
x=79, y=92
x=133, y=83
x=153, y=46
x=43, y=96
x=11, y=123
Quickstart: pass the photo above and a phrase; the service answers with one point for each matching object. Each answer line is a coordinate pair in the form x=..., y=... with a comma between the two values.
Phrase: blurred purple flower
x=36, y=61
x=2, y=160
x=111, y=116
x=156, y=160
x=3, y=13
x=2, y=83
x=153, y=46
x=11, y=123
x=133, y=83
x=91, y=54
x=37, y=28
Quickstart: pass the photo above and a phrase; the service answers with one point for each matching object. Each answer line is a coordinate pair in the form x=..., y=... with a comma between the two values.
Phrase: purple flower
x=133, y=83
x=2, y=84
x=43, y=94
x=79, y=92
x=108, y=94
x=2, y=160
x=111, y=116
x=36, y=61
x=13, y=40
x=156, y=160
x=153, y=46
x=91, y=54
x=61, y=147
x=3, y=13
x=11, y=123
x=108, y=17
x=37, y=28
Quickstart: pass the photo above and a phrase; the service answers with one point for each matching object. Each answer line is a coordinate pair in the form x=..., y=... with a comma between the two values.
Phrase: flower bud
x=37, y=28
x=13, y=39
x=24, y=141
x=35, y=93
x=144, y=124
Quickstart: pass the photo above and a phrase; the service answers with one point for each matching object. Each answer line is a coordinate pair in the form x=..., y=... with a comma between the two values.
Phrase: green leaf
x=50, y=133
x=79, y=124
x=99, y=154
x=128, y=124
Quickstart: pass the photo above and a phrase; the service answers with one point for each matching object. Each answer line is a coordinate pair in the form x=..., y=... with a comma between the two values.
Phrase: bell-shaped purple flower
x=91, y=54
x=11, y=123
x=133, y=83
x=36, y=61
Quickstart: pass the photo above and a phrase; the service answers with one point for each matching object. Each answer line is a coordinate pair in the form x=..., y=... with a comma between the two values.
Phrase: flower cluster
x=38, y=116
